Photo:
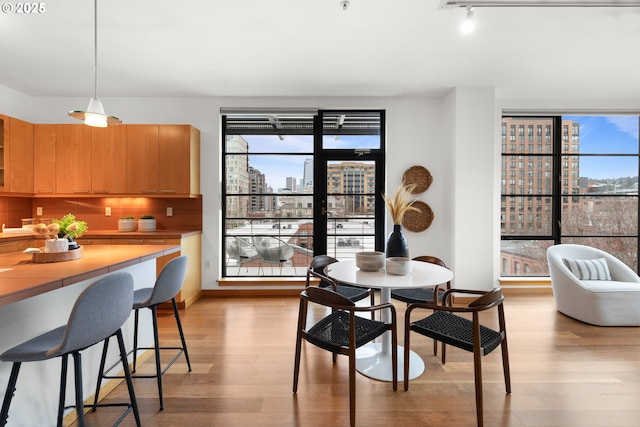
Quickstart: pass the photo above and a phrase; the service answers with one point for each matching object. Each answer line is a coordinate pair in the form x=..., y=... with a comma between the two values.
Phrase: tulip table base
x=372, y=362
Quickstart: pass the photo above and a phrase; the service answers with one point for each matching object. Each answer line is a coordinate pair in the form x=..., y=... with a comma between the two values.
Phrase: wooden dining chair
x=423, y=295
x=342, y=332
x=446, y=325
x=316, y=269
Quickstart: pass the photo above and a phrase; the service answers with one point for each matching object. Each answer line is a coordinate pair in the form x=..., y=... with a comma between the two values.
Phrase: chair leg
x=407, y=332
x=176, y=314
x=8, y=395
x=77, y=369
x=63, y=389
x=103, y=361
x=505, y=365
x=127, y=374
x=156, y=343
x=352, y=386
x=135, y=338
x=302, y=321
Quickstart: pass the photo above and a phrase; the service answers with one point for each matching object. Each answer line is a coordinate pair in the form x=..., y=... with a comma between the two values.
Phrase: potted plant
x=127, y=223
x=147, y=223
x=70, y=229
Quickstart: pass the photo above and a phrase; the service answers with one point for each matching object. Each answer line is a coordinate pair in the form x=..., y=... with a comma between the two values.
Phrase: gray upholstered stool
x=167, y=286
x=98, y=314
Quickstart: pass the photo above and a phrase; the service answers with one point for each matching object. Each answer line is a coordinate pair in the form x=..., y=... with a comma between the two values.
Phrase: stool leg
x=63, y=388
x=103, y=361
x=135, y=339
x=77, y=367
x=184, y=343
x=156, y=342
x=11, y=388
x=127, y=374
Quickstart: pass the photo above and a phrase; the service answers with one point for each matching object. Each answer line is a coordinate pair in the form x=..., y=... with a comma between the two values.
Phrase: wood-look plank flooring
x=563, y=373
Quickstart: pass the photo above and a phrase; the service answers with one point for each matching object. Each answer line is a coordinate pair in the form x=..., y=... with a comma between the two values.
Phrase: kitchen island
x=35, y=298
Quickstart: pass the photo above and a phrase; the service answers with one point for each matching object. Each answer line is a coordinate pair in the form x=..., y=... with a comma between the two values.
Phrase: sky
x=608, y=135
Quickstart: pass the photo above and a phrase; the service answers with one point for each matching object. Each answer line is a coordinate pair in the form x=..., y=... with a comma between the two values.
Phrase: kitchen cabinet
x=108, y=160
x=163, y=160
x=178, y=160
x=142, y=159
x=44, y=159
x=16, y=155
x=73, y=159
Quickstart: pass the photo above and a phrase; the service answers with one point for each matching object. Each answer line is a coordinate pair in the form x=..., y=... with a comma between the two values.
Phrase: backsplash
x=187, y=213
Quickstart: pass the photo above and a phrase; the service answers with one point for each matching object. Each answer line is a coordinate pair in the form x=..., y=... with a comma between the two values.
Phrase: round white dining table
x=374, y=359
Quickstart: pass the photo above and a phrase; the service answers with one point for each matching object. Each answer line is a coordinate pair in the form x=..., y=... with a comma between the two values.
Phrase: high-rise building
x=307, y=179
x=355, y=179
x=237, y=168
x=291, y=183
x=257, y=203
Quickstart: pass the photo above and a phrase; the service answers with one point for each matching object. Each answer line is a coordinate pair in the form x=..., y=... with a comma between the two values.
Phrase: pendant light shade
x=95, y=115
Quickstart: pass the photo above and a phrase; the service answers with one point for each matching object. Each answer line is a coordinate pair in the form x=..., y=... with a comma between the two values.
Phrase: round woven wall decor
x=418, y=175
x=420, y=220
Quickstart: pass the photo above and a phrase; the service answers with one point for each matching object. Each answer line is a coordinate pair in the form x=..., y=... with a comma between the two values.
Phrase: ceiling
x=201, y=48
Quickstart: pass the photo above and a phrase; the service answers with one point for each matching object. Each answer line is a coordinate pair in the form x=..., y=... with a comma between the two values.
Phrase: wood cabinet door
x=142, y=159
x=44, y=159
x=73, y=159
x=173, y=159
x=108, y=160
x=20, y=165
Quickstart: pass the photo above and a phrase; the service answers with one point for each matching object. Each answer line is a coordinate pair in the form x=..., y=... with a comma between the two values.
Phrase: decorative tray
x=41, y=258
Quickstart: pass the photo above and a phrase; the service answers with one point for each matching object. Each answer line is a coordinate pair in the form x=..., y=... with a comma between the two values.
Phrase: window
x=300, y=183
x=591, y=184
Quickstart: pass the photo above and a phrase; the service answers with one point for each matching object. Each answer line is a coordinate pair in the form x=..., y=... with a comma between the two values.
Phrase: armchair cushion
x=588, y=269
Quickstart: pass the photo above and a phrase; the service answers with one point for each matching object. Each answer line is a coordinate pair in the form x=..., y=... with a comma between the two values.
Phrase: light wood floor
x=564, y=373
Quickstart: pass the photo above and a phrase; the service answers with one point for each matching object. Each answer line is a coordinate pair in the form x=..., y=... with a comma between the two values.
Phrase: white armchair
x=584, y=295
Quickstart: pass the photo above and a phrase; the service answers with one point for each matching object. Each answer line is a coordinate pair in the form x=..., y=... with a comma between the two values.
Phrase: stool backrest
x=169, y=281
x=100, y=310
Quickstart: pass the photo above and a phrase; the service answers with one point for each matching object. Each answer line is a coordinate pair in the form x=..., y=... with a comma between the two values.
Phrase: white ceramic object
x=370, y=261
x=398, y=265
x=145, y=224
x=127, y=224
x=56, y=245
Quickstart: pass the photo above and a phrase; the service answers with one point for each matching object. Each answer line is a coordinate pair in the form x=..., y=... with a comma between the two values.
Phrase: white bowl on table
x=400, y=266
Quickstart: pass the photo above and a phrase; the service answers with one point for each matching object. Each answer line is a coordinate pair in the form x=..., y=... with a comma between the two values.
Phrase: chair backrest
x=327, y=297
x=99, y=311
x=488, y=300
x=169, y=281
x=316, y=267
x=430, y=259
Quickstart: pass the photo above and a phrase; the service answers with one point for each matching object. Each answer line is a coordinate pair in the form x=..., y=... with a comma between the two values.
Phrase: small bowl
x=400, y=266
x=370, y=261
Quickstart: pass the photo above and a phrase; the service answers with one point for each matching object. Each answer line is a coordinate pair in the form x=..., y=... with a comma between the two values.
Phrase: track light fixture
x=450, y=4
x=469, y=22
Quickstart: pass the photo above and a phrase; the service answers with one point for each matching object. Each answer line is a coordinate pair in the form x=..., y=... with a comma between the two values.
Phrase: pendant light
x=95, y=115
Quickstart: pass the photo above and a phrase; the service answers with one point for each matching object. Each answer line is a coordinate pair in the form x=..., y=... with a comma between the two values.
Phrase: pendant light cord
x=95, y=48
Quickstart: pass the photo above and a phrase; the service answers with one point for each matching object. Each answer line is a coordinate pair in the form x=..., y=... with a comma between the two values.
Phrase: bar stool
x=98, y=314
x=167, y=286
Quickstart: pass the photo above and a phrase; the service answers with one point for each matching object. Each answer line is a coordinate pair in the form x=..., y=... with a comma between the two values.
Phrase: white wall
x=430, y=132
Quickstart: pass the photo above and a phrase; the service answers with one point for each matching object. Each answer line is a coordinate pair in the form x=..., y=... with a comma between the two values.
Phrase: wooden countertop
x=113, y=234
x=21, y=279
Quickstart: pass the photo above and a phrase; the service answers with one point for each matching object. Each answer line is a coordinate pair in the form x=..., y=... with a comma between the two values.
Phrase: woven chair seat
x=354, y=293
x=413, y=296
x=332, y=332
x=457, y=331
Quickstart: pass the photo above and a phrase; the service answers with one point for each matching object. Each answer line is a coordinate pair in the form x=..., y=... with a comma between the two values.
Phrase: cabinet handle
x=135, y=242
x=44, y=191
x=148, y=191
x=81, y=191
x=100, y=191
x=156, y=241
x=167, y=191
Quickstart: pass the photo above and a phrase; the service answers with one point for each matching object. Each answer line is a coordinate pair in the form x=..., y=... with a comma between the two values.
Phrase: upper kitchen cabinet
x=44, y=159
x=108, y=160
x=73, y=159
x=163, y=160
x=16, y=155
x=179, y=160
x=142, y=159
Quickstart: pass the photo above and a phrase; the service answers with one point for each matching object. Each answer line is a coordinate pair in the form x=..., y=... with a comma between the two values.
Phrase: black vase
x=72, y=243
x=396, y=243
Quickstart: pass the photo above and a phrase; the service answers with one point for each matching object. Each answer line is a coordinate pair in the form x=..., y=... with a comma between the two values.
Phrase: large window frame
x=545, y=201
x=241, y=233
